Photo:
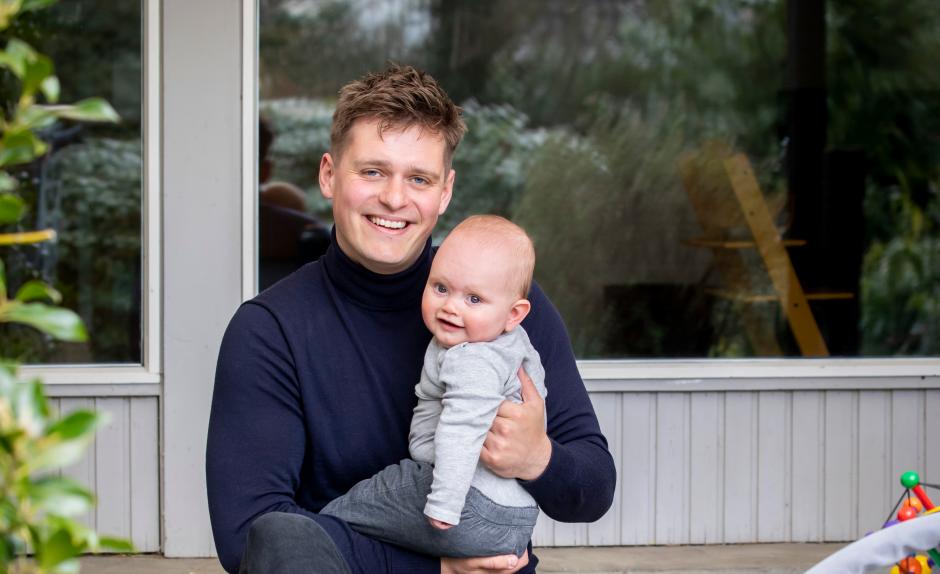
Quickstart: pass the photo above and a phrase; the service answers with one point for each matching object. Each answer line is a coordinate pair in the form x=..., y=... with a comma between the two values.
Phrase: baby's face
x=470, y=293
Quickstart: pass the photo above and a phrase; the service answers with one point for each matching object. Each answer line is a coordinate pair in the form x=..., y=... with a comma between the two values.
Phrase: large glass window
x=87, y=188
x=718, y=178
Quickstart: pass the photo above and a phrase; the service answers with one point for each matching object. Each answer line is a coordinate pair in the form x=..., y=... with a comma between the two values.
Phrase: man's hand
x=516, y=445
x=507, y=564
x=439, y=524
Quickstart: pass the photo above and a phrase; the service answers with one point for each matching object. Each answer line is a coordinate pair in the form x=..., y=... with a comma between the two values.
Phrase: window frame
x=102, y=379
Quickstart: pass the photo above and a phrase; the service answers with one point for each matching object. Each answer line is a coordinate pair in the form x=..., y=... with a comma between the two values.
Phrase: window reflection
x=88, y=187
x=617, y=134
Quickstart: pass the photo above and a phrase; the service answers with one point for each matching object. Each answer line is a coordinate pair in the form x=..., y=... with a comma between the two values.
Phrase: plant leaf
x=116, y=544
x=37, y=70
x=29, y=5
x=90, y=110
x=16, y=53
x=50, y=88
x=56, y=549
x=7, y=182
x=11, y=206
x=20, y=146
x=77, y=424
x=35, y=116
x=63, y=324
x=35, y=290
x=30, y=408
x=60, y=496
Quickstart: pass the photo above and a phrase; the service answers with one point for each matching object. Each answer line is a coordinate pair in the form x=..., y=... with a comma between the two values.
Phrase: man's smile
x=392, y=224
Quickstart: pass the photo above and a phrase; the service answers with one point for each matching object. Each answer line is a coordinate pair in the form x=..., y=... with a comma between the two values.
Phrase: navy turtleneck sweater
x=314, y=392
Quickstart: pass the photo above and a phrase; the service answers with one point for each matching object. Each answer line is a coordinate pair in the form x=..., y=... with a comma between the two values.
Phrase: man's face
x=387, y=190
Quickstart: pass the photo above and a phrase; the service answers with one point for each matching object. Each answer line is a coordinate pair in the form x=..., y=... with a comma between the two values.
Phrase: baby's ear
x=517, y=313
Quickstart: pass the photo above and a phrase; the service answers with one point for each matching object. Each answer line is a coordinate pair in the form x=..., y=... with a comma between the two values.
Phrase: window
x=87, y=188
x=727, y=178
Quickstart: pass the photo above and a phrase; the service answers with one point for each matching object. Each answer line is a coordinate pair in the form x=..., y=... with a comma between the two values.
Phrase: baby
x=443, y=501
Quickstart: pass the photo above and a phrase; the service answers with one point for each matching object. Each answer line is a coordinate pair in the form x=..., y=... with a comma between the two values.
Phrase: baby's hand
x=439, y=524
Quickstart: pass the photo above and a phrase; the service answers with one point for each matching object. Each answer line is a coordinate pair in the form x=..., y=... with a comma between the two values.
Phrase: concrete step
x=735, y=558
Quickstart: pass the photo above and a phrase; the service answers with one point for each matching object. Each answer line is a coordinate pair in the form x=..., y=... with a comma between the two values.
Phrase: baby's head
x=479, y=281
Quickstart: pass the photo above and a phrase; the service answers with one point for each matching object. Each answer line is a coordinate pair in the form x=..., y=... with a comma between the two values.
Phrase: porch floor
x=738, y=558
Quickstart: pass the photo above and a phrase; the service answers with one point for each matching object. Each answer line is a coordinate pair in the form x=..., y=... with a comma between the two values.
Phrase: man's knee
x=284, y=543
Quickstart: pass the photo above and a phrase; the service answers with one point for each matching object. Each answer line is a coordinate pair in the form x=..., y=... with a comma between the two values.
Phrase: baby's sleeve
x=473, y=377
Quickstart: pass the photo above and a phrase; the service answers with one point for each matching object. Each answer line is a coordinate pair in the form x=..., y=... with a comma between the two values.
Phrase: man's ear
x=448, y=192
x=326, y=175
x=517, y=313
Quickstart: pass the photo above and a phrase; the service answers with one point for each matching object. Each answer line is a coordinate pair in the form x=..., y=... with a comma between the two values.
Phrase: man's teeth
x=387, y=223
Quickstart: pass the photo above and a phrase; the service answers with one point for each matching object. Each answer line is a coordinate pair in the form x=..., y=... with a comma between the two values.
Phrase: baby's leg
x=390, y=507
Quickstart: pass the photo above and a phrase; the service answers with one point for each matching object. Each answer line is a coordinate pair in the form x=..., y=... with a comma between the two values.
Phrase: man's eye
x=420, y=180
x=440, y=288
x=474, y=300
x=370, y=173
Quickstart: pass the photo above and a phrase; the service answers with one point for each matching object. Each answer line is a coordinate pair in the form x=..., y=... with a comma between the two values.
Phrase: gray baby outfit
x=460, y=390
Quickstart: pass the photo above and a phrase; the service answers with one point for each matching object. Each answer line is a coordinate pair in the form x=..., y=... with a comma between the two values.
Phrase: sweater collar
x=387, y=292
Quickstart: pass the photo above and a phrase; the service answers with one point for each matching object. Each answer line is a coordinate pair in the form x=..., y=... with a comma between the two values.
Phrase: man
x=315, y=382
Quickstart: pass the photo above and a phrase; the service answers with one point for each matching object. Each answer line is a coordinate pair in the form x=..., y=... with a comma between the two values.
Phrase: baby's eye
x=440, y=288
x=474, y=300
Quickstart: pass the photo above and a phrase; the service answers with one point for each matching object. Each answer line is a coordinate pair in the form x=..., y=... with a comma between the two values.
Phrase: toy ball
x=906, y=513
x=910, y=479
x=915, y=503
x=907, y=566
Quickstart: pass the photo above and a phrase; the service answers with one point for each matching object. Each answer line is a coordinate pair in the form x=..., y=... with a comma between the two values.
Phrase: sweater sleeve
x=472, y=395
x=578, y=483
x=256, y=443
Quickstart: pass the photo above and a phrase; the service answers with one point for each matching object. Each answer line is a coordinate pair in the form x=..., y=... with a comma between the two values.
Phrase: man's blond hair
x=399, y=97
x=493, y=231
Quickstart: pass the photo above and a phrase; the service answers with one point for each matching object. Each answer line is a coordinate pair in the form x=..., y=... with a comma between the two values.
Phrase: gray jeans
x=390, y=507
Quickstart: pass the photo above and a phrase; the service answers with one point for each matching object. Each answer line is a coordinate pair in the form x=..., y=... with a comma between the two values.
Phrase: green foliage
x=36, y=508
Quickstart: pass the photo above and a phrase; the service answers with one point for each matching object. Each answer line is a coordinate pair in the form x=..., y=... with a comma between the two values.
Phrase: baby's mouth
x=449, y=325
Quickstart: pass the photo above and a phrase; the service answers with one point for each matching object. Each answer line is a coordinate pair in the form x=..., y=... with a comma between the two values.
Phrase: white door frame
x=208, y=263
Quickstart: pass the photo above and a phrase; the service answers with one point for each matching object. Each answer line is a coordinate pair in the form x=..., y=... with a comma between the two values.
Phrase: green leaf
x=30, y=408
x=16, y=54
x=63, y=324
x=60, y=496
x=7, y=182
x=20, y=146
x=90, y=110
x=116, y=544
x=50, y=88
x=11, y=207
x=77, y=424
x=7, y=379
x=35, y=290
x=29, y=5
x=56, y=549
x=35, y=116
x=37, y=70
x=3, y=286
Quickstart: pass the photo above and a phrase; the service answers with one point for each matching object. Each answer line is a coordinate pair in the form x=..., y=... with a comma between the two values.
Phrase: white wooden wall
x=122, y=468
x=756, y=466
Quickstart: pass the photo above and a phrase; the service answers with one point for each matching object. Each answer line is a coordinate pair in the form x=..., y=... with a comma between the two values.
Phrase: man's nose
x=393, y=194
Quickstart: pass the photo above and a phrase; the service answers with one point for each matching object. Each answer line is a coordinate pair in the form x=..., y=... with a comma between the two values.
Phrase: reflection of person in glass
x=288, y=236
x=314, y=389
